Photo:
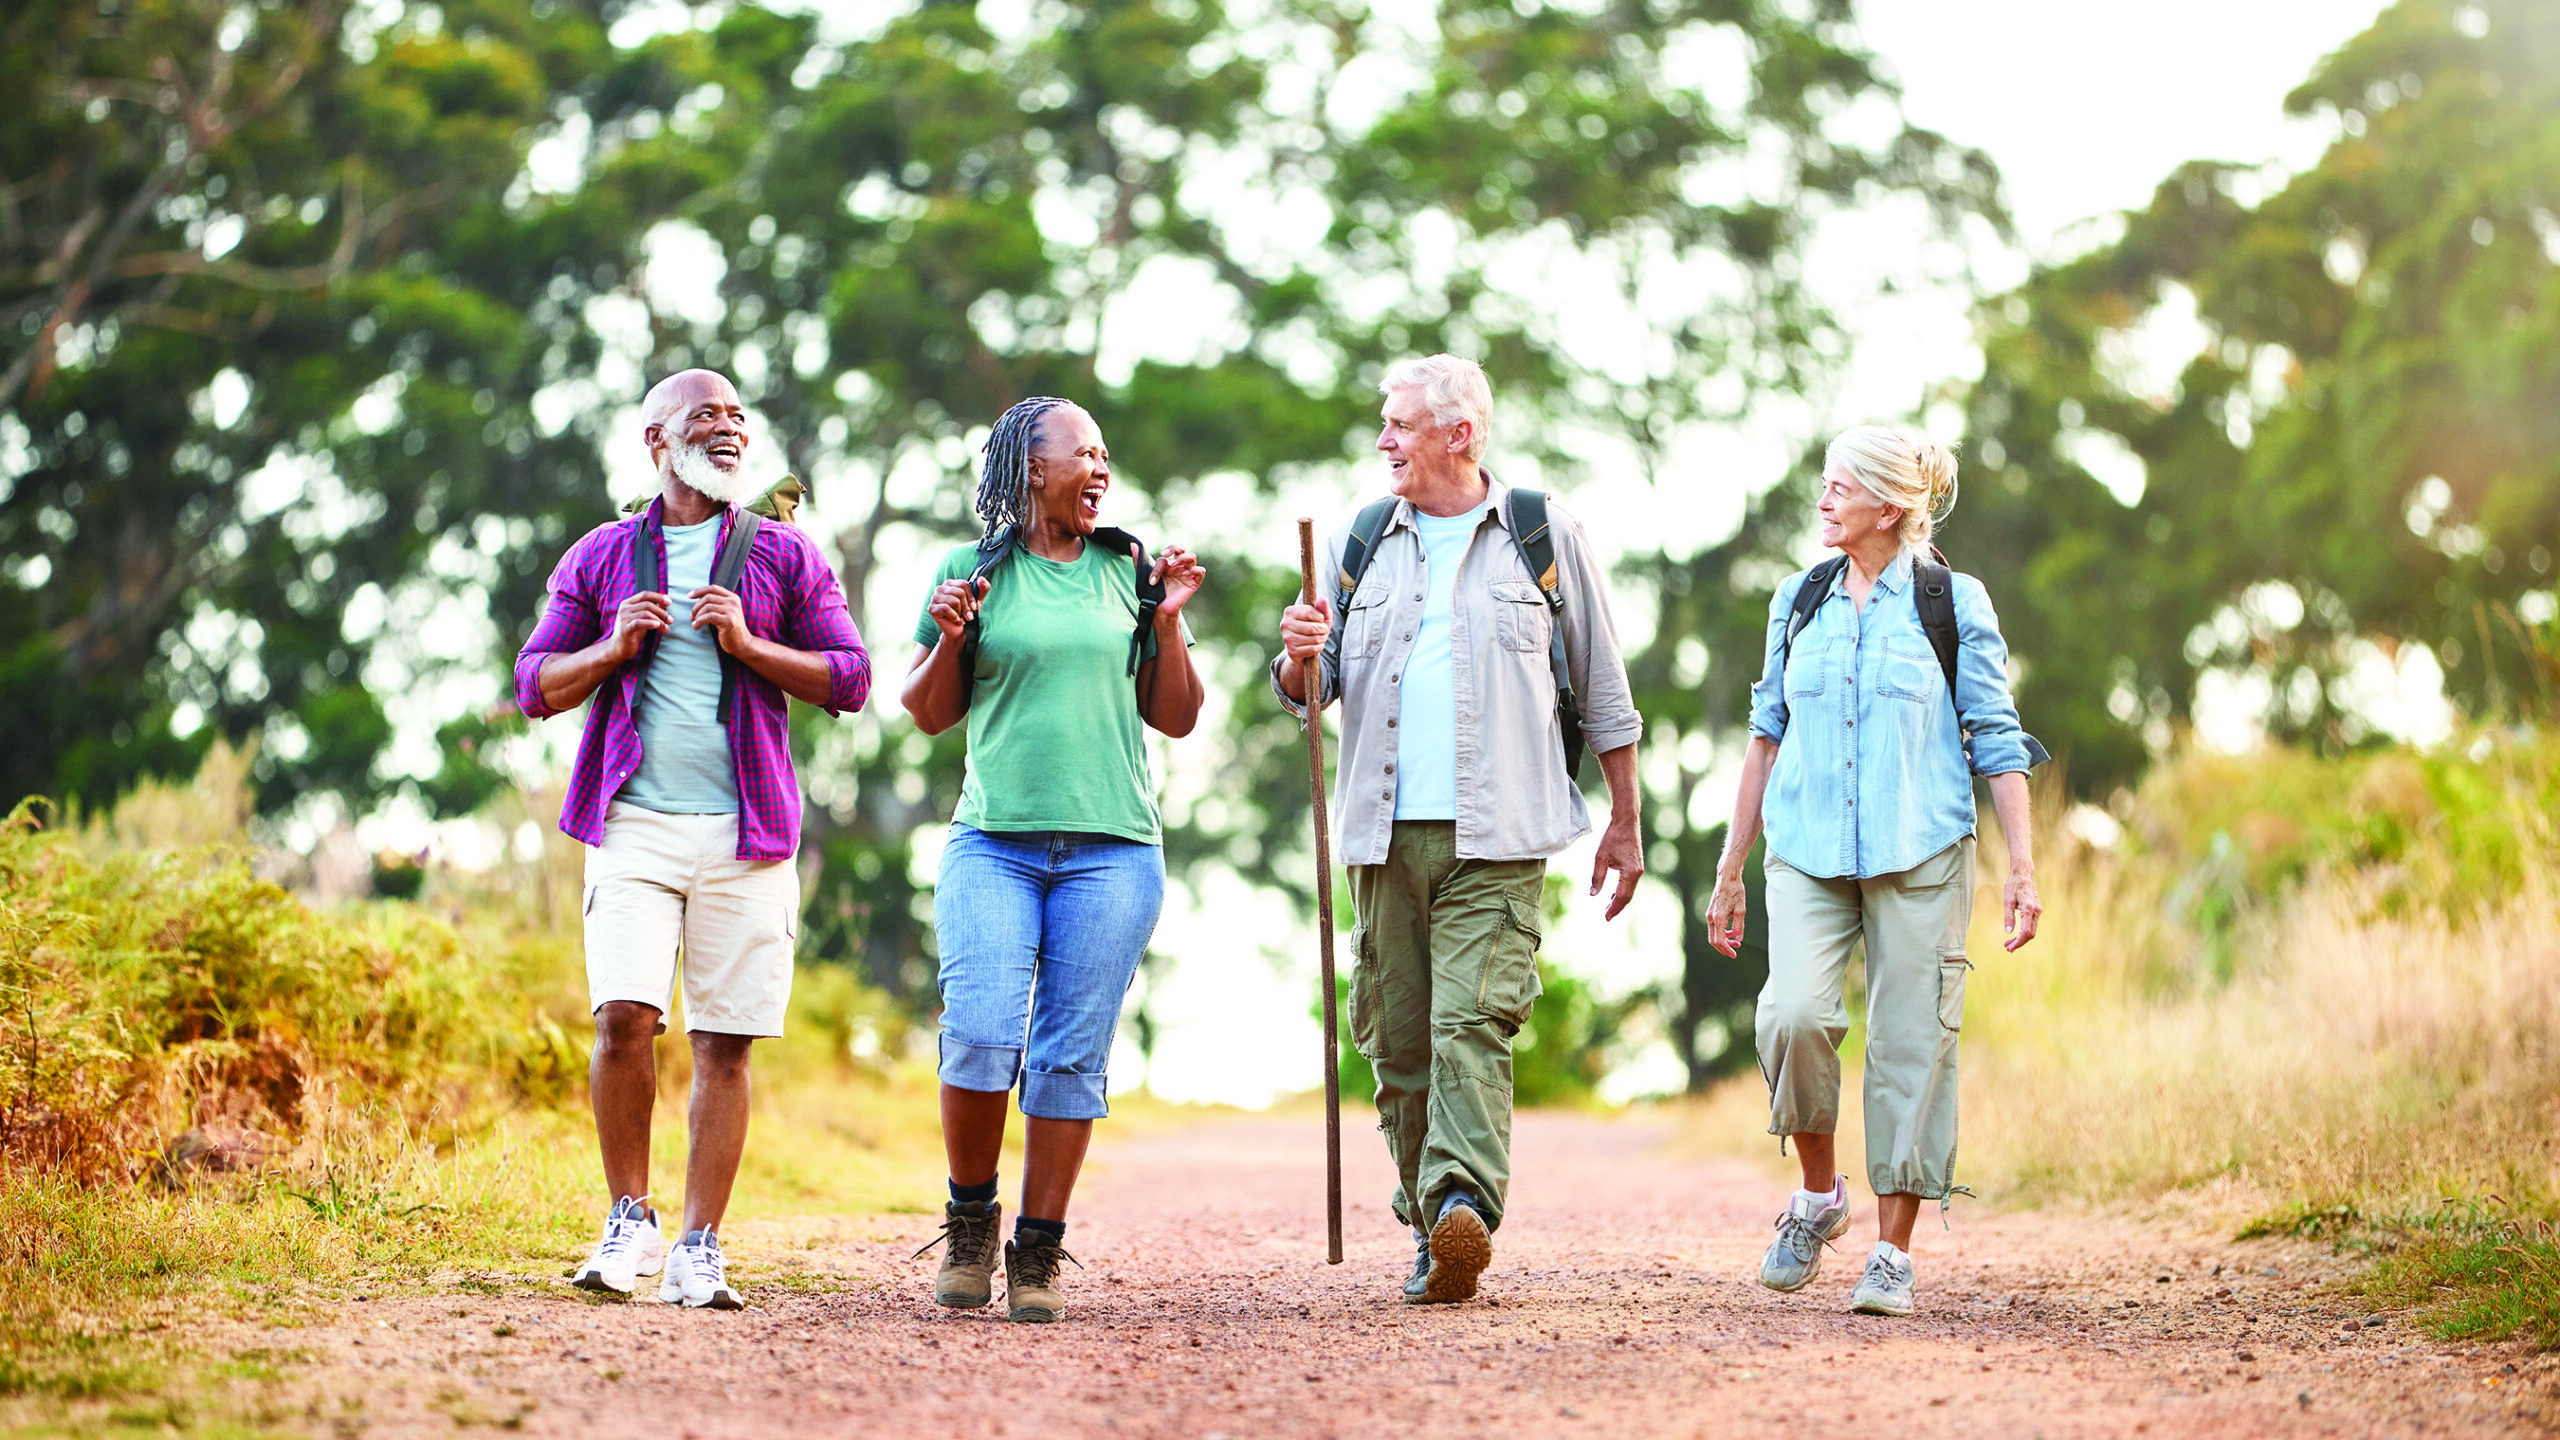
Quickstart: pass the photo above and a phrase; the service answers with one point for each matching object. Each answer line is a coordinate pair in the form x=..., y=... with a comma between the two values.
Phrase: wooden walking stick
x=1324, y=911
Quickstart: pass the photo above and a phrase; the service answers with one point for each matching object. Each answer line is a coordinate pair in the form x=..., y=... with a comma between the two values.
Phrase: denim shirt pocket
x=1808, y=665
x=1910, y=669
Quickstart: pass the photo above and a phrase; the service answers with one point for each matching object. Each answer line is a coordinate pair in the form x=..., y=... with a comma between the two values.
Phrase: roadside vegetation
x=217, y=1101
x=2294, y=994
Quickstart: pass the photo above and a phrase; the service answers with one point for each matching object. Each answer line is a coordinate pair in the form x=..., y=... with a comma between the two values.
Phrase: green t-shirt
x=1055, y=742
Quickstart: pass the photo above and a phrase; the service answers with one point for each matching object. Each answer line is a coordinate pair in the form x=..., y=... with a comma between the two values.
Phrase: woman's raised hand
x=1182, y=574
x=954, y=604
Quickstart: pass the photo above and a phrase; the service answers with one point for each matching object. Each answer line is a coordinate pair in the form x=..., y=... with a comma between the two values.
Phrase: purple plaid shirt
x=791, y=596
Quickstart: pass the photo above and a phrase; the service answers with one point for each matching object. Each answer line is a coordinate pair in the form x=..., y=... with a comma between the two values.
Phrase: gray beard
x=692, y=465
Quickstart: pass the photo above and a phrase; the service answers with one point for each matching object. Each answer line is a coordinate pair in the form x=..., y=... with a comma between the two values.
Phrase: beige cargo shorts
x=668, y=887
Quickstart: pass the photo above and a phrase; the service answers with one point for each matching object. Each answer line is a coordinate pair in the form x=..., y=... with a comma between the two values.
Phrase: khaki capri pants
x=1913, y=923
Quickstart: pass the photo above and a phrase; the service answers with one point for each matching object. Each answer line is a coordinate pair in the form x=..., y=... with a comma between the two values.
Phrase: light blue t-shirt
x=1427, y=715
x=685, y=765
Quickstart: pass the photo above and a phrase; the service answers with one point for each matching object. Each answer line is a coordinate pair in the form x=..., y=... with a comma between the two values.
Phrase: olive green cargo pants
x=1445, y=970
x=1913, y=923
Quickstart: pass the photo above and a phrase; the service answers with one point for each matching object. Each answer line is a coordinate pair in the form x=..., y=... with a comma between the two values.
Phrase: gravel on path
x=1620, y=1302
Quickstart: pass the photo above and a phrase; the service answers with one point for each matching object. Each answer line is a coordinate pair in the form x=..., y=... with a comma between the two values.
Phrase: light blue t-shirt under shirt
x=1427, y=715
x=685, y=765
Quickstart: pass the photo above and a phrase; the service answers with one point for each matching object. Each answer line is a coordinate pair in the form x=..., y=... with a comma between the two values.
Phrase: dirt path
x=1620, y=1304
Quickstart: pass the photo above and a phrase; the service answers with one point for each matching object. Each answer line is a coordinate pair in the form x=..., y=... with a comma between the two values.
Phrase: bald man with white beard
x=684, y=792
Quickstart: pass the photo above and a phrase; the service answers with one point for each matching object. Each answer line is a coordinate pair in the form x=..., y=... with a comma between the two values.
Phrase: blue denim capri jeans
x=1041, y=932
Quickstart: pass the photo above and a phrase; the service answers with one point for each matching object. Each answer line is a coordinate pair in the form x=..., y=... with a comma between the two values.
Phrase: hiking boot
x=1416, y=1283
x=1886, y=1287
x=698, y=1275
x=632, y=1246
x=1031, y=1292
x=970, y=1231
x=1460, y=1248
x=1807, y=1224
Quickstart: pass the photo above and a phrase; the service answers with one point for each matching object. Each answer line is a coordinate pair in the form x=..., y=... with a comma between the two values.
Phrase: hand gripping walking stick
x=1324, y=912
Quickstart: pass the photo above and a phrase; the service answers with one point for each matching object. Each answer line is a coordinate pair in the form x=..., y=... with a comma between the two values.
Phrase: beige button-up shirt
x=1515, y=801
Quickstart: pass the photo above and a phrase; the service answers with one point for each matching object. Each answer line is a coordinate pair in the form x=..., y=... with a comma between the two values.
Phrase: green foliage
x=143, y=994
x=2484, y=1278
x=2357, y=456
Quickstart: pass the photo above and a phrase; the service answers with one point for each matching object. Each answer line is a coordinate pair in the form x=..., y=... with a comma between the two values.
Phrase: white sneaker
x=1886, y=1287
x=1809, y=1223
x=698, y=1275
x=632, y=1247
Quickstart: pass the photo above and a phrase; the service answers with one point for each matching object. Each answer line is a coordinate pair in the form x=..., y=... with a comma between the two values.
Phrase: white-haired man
x=1474, y=659
x=684, y=789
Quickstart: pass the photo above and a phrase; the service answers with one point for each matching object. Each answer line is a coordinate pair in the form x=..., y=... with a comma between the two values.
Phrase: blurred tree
x=2356, y=446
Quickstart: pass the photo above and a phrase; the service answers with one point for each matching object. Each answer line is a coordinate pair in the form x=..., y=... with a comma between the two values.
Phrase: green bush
x=148, y=993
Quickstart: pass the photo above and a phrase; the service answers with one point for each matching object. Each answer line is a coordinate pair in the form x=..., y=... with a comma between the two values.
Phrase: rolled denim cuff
x=978, y=1067
x=1058, y=1095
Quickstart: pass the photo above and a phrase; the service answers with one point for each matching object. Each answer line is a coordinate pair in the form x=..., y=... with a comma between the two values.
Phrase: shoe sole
x=963, y=1302
x=1036, y=1315
x=1461, y=1248
x=1878, y=1307
x=1815, y=1268
x=594, y=1280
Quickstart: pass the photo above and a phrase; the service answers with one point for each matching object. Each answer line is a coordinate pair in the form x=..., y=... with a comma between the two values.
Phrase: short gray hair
x=1455, y=389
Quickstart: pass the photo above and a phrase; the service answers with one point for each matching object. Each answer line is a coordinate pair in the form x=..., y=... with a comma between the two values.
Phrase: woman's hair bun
x=1937, y=466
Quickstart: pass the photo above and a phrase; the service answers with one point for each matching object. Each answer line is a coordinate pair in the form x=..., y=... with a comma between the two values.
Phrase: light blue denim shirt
x=1872, y=776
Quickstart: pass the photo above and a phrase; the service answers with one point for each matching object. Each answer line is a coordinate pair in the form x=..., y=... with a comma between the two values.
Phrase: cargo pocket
x=1364, y=995
x=1364, y=629
x=587, y=906
x=1951, y=970
x=1508, y=989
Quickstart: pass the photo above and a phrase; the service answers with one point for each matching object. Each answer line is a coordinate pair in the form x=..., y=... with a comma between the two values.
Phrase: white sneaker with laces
x=632, y=1246
x=698, y=1275
x=1809, y=1223
x=1886, y=1287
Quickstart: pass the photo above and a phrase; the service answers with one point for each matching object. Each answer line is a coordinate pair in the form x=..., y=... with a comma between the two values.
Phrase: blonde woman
x=1886, y=690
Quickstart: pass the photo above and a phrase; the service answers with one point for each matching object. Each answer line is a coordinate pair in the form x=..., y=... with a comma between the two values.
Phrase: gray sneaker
x=1886, y=1287
x=1418, y=1284
x=1807, y=1225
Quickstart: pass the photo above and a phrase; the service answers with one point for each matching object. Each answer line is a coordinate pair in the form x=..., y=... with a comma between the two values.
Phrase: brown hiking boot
x=970, y=1228
x=1460, y=1249
x=1031, y=1292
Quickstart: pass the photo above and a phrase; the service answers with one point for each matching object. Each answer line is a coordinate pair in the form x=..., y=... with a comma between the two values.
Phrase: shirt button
x=1391, y=724
x=1386, y=794
x=1391, y=769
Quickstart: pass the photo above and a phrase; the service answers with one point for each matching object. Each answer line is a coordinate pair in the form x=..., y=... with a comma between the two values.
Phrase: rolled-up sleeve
x=1983, y=703
x=1769, y=695
x=568, y=624
x=819, y=622
x=1592, y=656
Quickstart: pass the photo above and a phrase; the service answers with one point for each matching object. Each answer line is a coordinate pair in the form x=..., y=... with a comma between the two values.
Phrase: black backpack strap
x=1937, y=597
x=1525, y=514
x=1809, y=597
x=645, y=578
x=1150, y=585
x=1358, y=549
x=992, y=551
x=728, y=570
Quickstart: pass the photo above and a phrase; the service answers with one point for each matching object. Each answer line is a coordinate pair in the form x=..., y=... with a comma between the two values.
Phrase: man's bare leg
x=622, y=1086
x=719, y=1127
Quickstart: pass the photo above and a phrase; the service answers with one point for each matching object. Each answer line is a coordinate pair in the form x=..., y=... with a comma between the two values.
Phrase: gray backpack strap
x=727, y=572
x=1357, y=551
x=1525, y=514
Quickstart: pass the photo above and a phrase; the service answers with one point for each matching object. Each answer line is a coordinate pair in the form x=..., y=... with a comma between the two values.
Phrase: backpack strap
x=1809, y=597
x=1937, y=598
x=1525, y=515
x=645, y=578
x=728, y=570
x=1150, y=586
x=1358, y=548
x=993, y=550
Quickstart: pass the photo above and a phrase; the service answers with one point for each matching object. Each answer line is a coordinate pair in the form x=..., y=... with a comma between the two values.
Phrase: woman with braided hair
x=1040, y=637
